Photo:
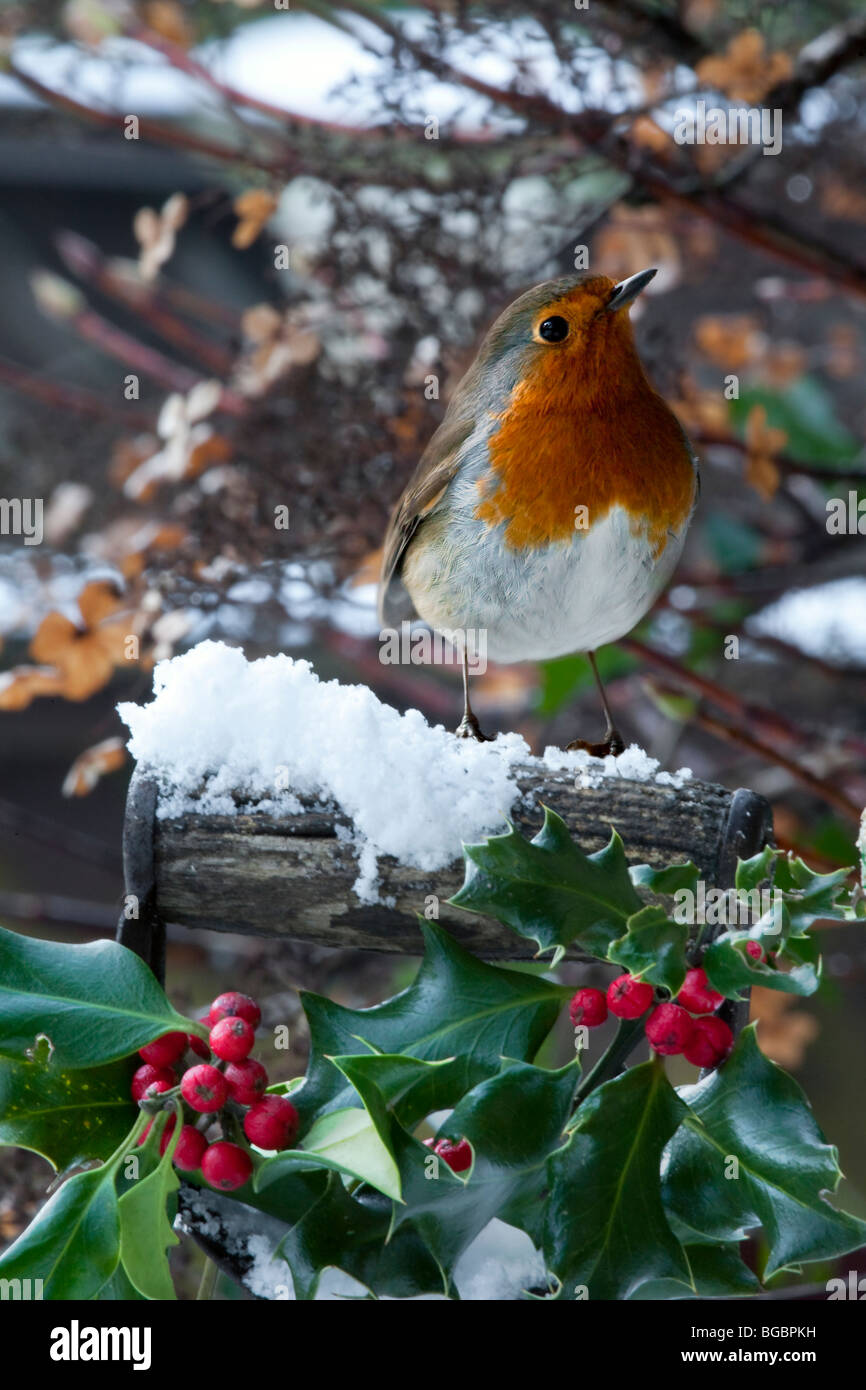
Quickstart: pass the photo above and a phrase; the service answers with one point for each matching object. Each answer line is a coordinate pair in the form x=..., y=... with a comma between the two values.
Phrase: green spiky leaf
x=94, y=1003
x=549, y=890
x=654, y=947
x=67, y=1116
x=605, y=1228
x=750, y=1153
x=457, y=1007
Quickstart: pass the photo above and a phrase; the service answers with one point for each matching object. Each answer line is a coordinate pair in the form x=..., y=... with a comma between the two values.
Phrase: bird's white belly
x=570, y=596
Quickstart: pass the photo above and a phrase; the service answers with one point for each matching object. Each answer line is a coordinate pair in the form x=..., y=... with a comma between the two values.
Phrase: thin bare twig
x=747, y=711
x=88, y=262
x=63, y=396
x=825, y=790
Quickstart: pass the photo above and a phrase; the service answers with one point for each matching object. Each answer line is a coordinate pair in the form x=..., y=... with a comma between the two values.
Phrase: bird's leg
x=613, y=741
x=468, y=726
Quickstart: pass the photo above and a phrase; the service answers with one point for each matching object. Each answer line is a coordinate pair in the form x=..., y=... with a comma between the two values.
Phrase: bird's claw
x=469, y=728
x=613, y=744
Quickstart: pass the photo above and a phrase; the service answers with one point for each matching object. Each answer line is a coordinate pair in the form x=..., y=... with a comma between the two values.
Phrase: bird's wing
x=425, y=489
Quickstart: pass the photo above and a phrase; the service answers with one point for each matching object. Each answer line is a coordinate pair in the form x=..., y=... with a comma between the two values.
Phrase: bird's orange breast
x=562, y=445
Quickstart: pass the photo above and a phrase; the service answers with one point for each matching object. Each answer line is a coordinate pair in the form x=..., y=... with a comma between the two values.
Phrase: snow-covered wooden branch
x=279, y=874
x=269, y=802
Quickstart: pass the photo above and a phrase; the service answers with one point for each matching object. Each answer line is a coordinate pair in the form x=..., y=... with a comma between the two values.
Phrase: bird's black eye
x=553, y=330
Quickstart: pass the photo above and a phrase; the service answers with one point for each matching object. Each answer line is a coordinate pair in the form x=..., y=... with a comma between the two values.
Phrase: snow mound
x=222, y=733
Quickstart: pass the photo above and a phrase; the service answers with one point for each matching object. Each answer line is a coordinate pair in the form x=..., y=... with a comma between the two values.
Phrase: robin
x=550, y=507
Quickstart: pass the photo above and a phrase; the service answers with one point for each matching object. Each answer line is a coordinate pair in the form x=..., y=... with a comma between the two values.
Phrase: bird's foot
x=469, y=728
x=613, y=744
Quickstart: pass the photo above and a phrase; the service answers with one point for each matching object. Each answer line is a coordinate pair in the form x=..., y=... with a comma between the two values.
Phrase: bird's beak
x=628, y=290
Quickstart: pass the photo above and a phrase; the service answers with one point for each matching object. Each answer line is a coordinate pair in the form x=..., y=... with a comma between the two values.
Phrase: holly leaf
x=549, y=890
x=346, y=1141
x=676, y=878
x=457, y=1007
x=750, y=1153
x=94, y=1003
x=730, y=969
x=73, y=1243
x=118, y=1289
x=66, y=1116
x=146, y=1233
x=605, y=1226
x=341, y=1232
x=654, y=947
x=809, y=897
x=514, y=1121
x=403, y=1086
x=718, y=1271
x=751, y=873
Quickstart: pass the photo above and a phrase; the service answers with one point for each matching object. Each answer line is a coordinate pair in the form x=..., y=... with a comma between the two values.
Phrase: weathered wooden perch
x=290, y=875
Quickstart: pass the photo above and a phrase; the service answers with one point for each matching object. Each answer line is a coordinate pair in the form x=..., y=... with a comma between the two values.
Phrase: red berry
x=231, y=1004
x=204, y=1088
x=628, y=997
x=198, y=1046
x=697, y=994
x=190, y=1148
x=149, y=1075
x=429, y=1143
x=458, y=1156
x=755, y=950
x=247, y=1081
x=164, y=1050
x=710, y=1043
x=232, y=1039
x=156, y=1088
x=272, y=1123
x=588, y=1006
x=226, y=1166
x=669, y=1029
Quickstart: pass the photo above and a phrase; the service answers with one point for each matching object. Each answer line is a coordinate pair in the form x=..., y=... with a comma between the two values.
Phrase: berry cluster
x=688, y=1025
x=229, y=1082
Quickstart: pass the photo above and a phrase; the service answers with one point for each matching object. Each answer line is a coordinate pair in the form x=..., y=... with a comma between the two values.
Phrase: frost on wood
x=224, y=736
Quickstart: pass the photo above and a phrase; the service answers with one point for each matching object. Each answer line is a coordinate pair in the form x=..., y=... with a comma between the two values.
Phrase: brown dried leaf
x=261, y=323
x=23, y=684
x=253, y=208
x=745, y=71
x=647, y=135
x=167, y=19
x=215, y=449
x=701, y=411
x=156, y=233
x=762, y=444
x=732, y=341
x=85, y=657
x=53, y=635
x=842, y=357
x=98, y=600
x=93, y=764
